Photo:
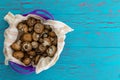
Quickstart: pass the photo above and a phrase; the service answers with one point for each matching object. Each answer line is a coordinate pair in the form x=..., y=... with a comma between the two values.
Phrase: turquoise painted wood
x=92, y=51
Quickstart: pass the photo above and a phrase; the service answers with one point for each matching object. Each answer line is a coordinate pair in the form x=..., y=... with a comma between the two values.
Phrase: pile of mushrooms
x=34, y=40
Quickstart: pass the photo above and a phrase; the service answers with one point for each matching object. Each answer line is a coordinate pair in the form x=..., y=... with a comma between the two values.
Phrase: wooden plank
x=104, y=62
x=91, y=51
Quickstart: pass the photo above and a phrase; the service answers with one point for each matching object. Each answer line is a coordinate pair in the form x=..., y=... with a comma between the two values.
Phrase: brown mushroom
x=45, y=35
x=26, y=55
x=18, y=54
x=41, y=40
x=42, y=48
x=38, y=21
x=54, y=41
x=51, y=38
x=32, y=53
x=52, y=34
x=31, y=21
x=30, y=29
x=36, y=59
x=46, y=31
x=35, y=44
x=26, y=61
x=26, y=46
x=46, y=42
x=23, y=27
x=48, y=27
x=51, y=51
x=16, y=45
x=35, y=36
x=27, y=37
x=37, y=51
x=38, y=28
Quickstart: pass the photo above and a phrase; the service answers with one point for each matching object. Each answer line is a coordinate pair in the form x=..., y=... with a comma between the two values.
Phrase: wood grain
x=92, y=51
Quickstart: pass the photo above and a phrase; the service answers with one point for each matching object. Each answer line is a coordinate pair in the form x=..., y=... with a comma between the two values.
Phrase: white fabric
x=11, y=34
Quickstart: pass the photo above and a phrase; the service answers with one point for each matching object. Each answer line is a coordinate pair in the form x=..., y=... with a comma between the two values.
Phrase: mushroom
x=38, y=21
x=46, y=42
x=27, y=37
x=32, y=53
x=16, y=45
x=35, y=44
x=31, y=21
x=26, y=55
x=51, y=38
x=52, y=34
x=35, y=36
x=41, y=40
x=46, y=31
x=45, y=35
x=23, y=27
x=26, y=46
x=18, y=54
x=48, y=27
x=54, y=41
x=36, y=59
x=42, y=48
x=37, y=51
x=30, y=29
x=51, y=51
x=38, y=28
x=26, y=61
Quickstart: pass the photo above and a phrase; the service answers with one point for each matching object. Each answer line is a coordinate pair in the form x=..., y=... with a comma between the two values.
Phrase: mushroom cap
x=41, y=40
x=18, y=54
x=35, y=36
x=55, y=41
x=32, y=53
x=37, y=51
x=46, y=42
x=36, y=59
x=23, y=27
x=51, y=38
x=27, y=46
x=51, y=50
x=48, y=27
x=38, y=21
x=38, y=28
x=45, y=35
x=27, y=37
x=35, y=44
x=31, y=21
x=15, y=46
x=42, y=48
x=30, y=29
x=52, y=34
x=26, y=61
x=45, y=31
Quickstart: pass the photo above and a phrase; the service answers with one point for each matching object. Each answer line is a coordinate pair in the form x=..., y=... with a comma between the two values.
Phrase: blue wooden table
x=92, y=51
